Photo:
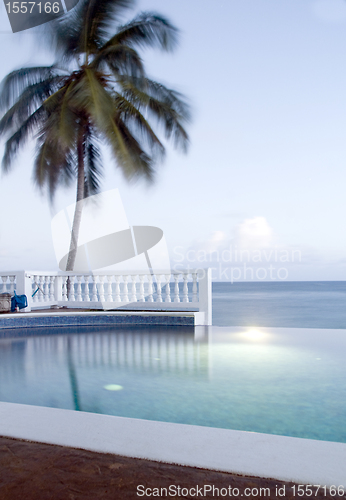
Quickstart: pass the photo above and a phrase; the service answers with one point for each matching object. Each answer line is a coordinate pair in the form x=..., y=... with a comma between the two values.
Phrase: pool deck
x=33, y=471
x=302, y=461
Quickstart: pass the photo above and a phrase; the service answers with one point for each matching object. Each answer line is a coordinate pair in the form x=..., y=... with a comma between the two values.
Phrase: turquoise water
x=280, y=381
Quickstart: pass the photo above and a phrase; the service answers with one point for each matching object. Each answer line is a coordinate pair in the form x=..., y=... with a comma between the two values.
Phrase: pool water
x=284, y=381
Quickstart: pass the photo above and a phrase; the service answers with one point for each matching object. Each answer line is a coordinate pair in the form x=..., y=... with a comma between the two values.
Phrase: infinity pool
x=290, y=382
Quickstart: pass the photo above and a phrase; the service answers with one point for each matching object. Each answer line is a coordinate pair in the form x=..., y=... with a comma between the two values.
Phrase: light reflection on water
x=279, y=381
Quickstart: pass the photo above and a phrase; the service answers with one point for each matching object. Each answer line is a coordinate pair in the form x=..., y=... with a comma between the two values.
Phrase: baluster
x=102, y=289
x=125, y=289
x=158, y=288
x=64, y=288
x=12, y=278
x=94, y=297
x=141, y=288
x=51, y=288
x=40, y=293
x=35, y=297
x=46, y=289
x=79, y=288
x=72, y=297
x=194, y=288
x=86, y=290
x=176, y=288
x=117, y=289
x=109, y=288
x=133, y=289
x=185, y=289
x=150, y=288
x=168, y=290
x=4, y=283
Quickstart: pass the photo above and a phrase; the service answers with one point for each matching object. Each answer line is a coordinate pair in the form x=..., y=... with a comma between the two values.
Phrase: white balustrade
x=94, y=297
x=46, y=288
x=117, y=289
x=72, y=297
x=79, y=288
x=109, y=289
x=194, y=288
x=12, y=278
x=168, y=290
x=5, y=280
x=185, y=288
x=51, y=288
x=141, y=288
x=102, y=288
x=125, y=289
x=176, y=288
x=150, y=288
x=40, y=280
x=146, y=291
x=133, y=289
x=4, y=284
x=86, y=289
x=158, y=287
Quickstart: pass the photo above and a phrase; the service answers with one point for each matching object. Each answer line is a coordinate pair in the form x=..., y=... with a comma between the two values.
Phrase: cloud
x=216, y=240
x=254, y=233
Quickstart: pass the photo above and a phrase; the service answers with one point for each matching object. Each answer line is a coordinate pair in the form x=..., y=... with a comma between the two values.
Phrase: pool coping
x=302, y=461
x=99, y=318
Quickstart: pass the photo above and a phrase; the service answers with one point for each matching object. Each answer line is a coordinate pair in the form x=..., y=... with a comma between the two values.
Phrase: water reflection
x=280, y=381
x=28, y=365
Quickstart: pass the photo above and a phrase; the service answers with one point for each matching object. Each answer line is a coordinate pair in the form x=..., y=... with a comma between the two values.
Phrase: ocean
x=289, y=304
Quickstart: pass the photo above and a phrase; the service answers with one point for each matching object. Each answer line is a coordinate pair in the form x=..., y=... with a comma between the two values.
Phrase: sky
x=264, y=181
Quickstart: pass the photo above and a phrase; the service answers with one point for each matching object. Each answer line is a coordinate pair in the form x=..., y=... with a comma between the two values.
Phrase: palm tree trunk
x=73, y=377
x=79, y=204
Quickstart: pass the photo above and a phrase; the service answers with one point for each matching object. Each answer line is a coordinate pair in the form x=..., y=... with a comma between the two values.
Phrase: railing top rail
x=112, y=273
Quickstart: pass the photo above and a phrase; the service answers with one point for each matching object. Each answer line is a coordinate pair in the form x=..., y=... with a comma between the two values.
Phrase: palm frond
x=17, y=81
x=132, y=160
x=84, y=29
x=143, y=88
x=163, y=104
x=53, y=165
x=148, y=29
x=30, y=99
x=121, y=60
x=138, y=125
x=18, y=139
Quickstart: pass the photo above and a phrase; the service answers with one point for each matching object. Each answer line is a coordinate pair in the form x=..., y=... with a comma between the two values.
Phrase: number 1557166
x=30, y=7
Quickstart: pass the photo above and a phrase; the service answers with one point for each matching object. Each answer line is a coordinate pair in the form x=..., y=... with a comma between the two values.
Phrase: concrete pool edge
x=61, y=318
x=299, y=460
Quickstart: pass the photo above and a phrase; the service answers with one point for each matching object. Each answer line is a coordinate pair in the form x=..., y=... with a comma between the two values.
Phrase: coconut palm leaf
x=146, y=30
x=29, y=101
x=120, y=60
x=17, y=81
x=86, y=27
x=166, y=107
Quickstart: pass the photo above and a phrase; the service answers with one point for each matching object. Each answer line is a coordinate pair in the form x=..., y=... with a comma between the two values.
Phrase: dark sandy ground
x=34, y=471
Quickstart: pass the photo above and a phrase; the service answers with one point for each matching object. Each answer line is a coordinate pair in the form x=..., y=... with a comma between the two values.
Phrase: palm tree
x=97, y=94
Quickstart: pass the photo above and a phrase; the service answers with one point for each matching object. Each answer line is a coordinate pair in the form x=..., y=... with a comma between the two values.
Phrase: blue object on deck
x=20, y=301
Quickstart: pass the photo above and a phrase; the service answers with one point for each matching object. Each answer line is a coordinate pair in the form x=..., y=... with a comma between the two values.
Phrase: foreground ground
x=33, y=471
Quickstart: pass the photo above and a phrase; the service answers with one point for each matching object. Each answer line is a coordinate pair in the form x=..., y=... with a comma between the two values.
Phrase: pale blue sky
x=266, y=80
